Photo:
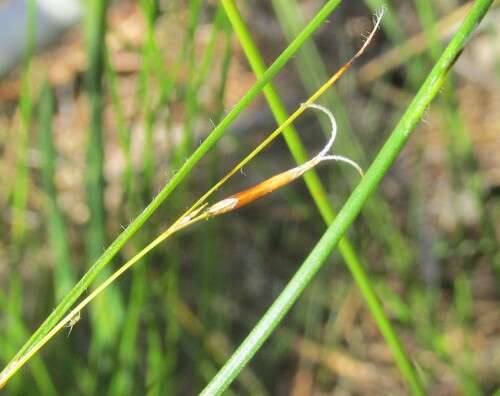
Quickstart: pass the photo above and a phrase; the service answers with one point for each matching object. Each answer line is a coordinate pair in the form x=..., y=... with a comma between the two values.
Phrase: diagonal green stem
x=351, y=208
x=182, y=173
x=319, y=195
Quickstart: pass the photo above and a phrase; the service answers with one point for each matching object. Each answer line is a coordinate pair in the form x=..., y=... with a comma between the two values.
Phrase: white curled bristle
x=333, y=123
x=323, y=154
x=341, y=158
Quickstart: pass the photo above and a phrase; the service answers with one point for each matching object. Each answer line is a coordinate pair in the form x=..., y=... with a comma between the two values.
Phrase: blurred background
x=96, y=117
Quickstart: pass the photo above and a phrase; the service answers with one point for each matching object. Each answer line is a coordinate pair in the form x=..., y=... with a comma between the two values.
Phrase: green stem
x=319, y=195
x=105, y=322
x=182, y=173
x=64, y=276
x=351, y=208
x=95, y=156
x=21, y=183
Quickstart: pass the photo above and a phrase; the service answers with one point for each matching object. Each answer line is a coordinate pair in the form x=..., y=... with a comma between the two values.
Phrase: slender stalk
x=105, y=323
x=148, y=79
x=172, y=184
x=319, y=195
x=124, y=133
x=216, y=56
x=20, y=188
x=187, y=55
x=64, y=276
x=351, y=208
x=95, y=157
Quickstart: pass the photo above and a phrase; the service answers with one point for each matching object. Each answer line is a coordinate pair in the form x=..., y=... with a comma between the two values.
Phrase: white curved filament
x=323, y=154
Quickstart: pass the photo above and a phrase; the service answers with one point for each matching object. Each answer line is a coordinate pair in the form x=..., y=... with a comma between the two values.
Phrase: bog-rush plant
x=351, y=209
x=85, y=282
x=196, y=213
x=201, y=210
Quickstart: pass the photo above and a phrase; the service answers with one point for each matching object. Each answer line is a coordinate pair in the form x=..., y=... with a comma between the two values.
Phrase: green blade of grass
x=171, y=185
x=196, y=78
x=188, y=58
x=20, y=188
x=96, y=16
x=379, y=167
x=13, y=309
x=320, y=197
x=150, y=75
x=105, y=321
x=64, y=276
x=123, y=129
x=209, y=277
x=123, y=379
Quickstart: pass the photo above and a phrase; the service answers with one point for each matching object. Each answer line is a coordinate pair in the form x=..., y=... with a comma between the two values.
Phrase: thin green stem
x=64, y=276
x=105, y=322
x=95, y=157
x=320, y=197
x=124, y=133
x=151, y=75
x=20, y=188
x=351, y=209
